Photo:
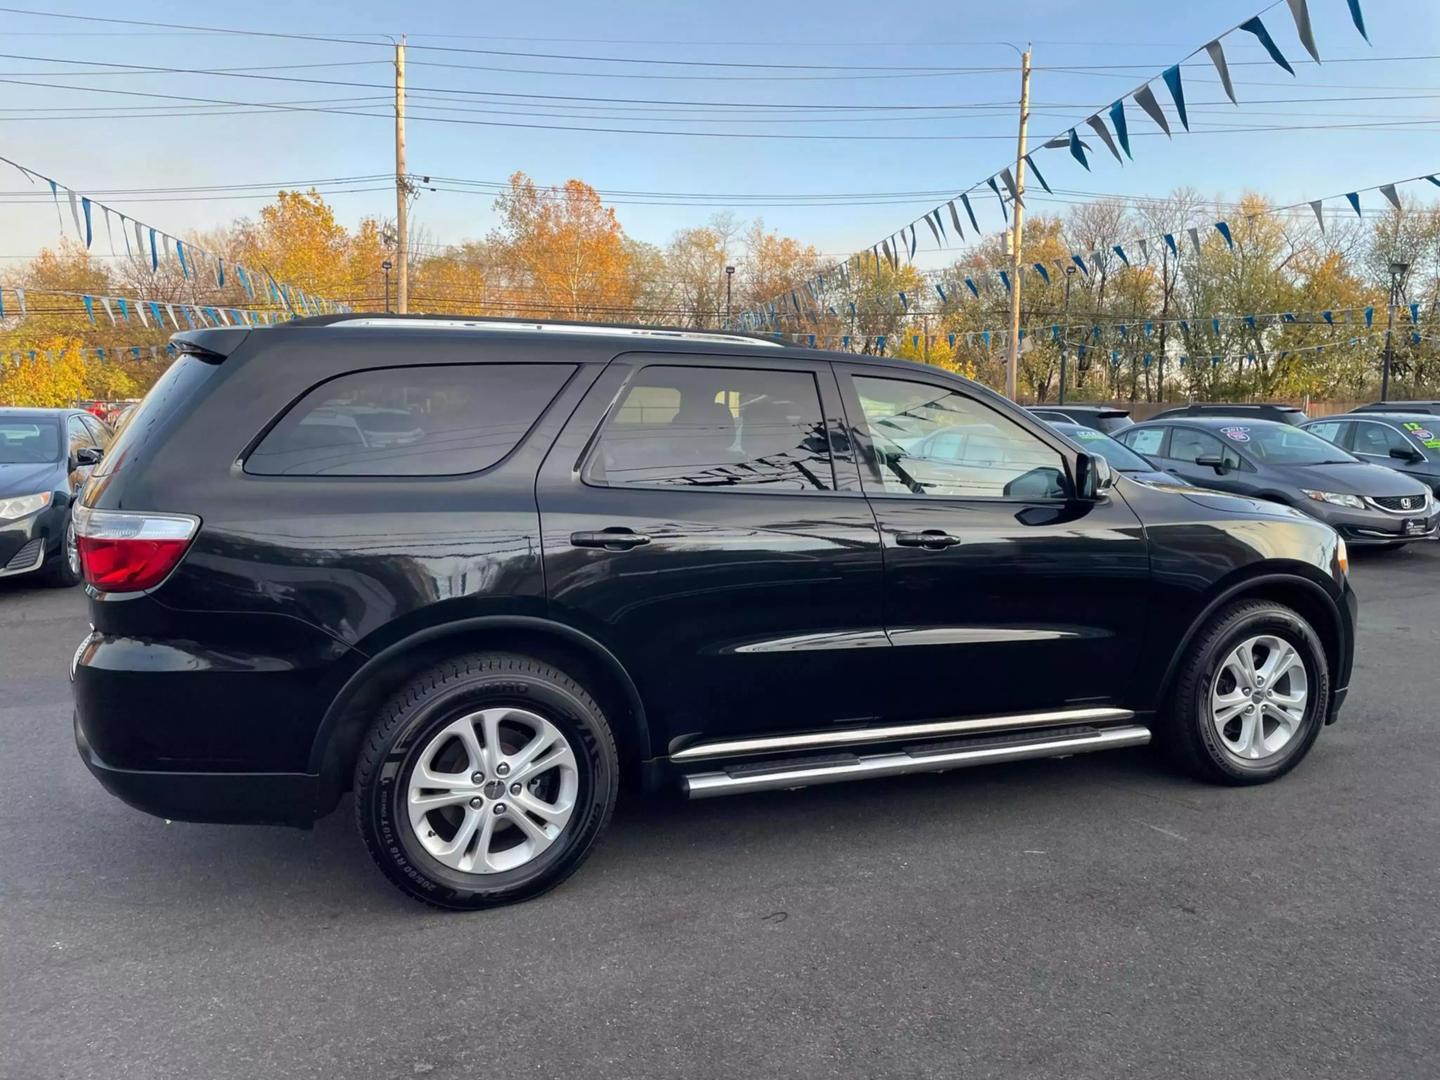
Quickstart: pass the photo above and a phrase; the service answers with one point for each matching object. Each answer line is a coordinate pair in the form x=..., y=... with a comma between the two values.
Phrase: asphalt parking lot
x=1093, y=917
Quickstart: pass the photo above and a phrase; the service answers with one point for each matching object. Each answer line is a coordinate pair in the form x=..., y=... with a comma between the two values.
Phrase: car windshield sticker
x=1091, y=435
x=1239, y=434
x=1424, y=434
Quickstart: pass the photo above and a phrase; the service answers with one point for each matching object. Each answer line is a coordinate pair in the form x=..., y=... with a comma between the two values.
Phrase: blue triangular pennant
x=1256, y=27
x=1122, y=133
x=1171, y=75
x=1038, y=176
x=1077, y=149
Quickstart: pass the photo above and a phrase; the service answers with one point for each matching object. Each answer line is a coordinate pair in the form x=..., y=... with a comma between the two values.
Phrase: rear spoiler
x=211, y=345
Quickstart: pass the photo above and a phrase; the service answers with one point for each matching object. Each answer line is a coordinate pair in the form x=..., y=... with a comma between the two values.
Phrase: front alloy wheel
x=1258, y=697
x=1251, y=693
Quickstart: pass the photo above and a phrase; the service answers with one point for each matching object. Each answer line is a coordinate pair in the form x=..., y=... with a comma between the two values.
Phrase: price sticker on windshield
x=1091, y=436
x=1238, y=434
x=1424, y=434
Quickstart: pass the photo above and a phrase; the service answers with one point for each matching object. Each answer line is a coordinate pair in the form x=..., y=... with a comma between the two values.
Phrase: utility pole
x=1397, y=271
x=402, y=188
x=1012, y=350
x=1065, y=332
x=386, y=267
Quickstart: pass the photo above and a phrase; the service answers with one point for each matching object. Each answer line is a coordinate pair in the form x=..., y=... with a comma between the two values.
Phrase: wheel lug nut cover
x=514, y=789
x=499, y=808
x=477, y=778
x=502, y=769
x=475, y=803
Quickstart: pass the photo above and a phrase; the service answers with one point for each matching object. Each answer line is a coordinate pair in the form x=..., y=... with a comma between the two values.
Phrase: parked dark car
x=1368, y=504
x=1121, y=458
x=45, y=456
x=1430, y=408
x=1406, y=442
x=1104, y=418
x=699, y=561
x=1284, y=414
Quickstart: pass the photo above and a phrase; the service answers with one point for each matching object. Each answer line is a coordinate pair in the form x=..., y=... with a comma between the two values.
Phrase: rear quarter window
x=409, y=421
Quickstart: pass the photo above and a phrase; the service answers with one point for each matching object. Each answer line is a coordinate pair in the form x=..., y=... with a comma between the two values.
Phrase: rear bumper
x=222, y=798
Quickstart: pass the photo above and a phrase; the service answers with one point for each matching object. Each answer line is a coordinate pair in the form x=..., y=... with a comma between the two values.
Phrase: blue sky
x=860, y=54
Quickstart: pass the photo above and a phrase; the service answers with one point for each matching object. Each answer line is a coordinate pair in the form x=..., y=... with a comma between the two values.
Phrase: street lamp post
x=729, y=277
x=1397, y=272
x=386, y=267
x=1065, y=333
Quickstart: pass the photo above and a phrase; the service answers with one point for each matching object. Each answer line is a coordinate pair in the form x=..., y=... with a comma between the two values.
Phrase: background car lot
x=1091, y=917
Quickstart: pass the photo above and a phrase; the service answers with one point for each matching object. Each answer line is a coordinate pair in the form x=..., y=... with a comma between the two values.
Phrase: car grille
x=27, y=556
x=1401, y=504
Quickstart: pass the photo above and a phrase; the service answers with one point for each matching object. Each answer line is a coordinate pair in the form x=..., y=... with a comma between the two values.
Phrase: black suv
x=479, y=571
x=1104, y=418
x=1284, y=414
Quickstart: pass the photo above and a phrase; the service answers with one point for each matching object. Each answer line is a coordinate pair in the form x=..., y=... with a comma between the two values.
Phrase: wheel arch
x=336, y=746
x=1295, y=590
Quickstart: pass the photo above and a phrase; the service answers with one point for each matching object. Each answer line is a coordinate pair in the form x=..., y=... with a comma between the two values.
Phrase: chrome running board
x=777, y=744
x=935, y=757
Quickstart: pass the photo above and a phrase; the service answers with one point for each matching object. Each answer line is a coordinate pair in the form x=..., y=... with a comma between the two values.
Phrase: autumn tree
x=563, y=253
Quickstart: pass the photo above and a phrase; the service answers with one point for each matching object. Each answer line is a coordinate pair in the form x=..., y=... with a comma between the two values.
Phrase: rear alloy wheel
x=493, y=790
x=486, y=781
x=1251, y=695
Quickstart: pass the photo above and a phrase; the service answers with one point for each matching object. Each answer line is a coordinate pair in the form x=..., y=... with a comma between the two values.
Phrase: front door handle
x=614, y=539
x=930, y=539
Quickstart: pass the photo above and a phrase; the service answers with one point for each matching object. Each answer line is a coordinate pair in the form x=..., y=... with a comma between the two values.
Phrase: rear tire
x=1222, y=722
x=485, y=781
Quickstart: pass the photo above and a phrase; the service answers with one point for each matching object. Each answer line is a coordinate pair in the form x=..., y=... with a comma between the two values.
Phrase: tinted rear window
x=410, y=421
x=173, y=390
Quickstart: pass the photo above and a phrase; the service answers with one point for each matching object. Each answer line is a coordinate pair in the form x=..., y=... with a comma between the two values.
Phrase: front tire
x=64, y=570
x=1251, y=695
x=485, y=781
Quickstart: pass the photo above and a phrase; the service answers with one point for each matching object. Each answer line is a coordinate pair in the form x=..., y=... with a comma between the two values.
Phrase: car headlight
x=1336, y=498
x=17, y=506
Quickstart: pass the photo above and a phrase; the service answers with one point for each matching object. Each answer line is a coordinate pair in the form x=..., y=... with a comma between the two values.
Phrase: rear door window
x=716, y=427
x=1146, y=441
x=1332, y=431
x=409, y=421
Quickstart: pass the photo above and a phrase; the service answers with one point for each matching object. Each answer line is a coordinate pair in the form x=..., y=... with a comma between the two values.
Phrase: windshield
x=29, y=441
x=1097, y=442
x=1281, y=444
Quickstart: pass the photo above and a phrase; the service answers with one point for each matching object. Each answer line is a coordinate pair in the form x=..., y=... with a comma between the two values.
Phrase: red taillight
x=123, y=551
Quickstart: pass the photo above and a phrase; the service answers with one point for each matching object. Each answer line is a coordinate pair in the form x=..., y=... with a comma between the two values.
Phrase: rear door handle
x=931, y=539
x=616, y=539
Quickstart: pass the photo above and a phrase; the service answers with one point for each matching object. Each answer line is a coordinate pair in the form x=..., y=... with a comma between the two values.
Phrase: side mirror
x=86, y=456
x=1093, y=476
x=1410, y=457
x=1214, y=461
